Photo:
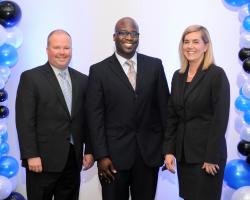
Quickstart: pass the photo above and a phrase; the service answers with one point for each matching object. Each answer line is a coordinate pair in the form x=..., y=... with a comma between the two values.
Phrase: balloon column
x=237, y=172
x=10, y=40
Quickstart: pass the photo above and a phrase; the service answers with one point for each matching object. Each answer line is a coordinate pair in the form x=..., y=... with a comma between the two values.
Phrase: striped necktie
x=66, y=89
x=131, y=73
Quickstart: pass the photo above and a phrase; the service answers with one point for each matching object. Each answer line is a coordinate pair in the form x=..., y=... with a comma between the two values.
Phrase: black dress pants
x=140, y=181
x=60, y=185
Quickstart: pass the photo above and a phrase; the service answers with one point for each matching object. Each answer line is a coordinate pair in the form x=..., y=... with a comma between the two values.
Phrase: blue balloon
x=8, y=55
x=4, y=111
x=246, y=116
x=237, y=3
x=3, y=95
x=4, y=148
x=10, y=13
x=8, y=166
x=240, y=91
x=237, y=174
x=242, y=103
x=246, y=23
x=15, y=196
x=3, y=137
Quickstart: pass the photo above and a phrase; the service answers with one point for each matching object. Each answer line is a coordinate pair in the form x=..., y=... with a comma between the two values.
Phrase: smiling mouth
x=128, y=45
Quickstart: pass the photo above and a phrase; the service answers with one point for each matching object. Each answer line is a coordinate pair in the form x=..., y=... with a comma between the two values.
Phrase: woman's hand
x=211, y=168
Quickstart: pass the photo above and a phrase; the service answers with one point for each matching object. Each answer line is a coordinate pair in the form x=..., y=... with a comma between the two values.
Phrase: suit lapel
x=75, y=91
x=50, y=75
x=181, y=88
x=116, y=67
x=195, y=82
x=141, y=70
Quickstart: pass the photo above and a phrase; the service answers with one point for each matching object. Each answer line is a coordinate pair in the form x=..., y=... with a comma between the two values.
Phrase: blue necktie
x=67, y=93
x=66, y=89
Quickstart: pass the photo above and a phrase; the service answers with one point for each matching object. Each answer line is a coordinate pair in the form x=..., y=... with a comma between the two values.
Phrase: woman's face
x=194, y=47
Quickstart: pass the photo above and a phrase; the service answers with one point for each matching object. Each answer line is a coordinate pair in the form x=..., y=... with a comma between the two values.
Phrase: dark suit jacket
x=121, y=119
x=198, y=116
x=43, y=121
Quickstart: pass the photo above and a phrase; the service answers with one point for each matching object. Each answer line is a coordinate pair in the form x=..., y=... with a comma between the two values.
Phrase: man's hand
x=106, y=169
x=88, y=161
x=170, y=162
x=35, y=164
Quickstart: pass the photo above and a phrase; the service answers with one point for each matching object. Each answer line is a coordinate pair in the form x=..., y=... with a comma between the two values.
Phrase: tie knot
x=130, y=63
x=63, y=74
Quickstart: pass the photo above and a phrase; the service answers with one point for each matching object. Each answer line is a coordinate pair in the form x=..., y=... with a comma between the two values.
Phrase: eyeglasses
x=124, y=34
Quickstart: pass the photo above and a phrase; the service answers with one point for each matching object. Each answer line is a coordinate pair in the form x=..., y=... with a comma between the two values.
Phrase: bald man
x=126, y=110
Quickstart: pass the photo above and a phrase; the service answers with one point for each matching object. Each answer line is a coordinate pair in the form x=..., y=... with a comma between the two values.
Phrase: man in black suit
x=51, y=124
x=126, y=110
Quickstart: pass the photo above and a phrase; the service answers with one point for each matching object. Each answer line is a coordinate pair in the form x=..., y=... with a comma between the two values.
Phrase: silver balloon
x=14, y=37
x=245, y=39
x=13, y=181
x=243, y=12
x=5, y=187
x=245, y=133
x=241, y=79
x=3, y=35
x=239, y=123
x=246, y=90
x=2, y=83
x=243, y=193
x=4, y=73
x=3, y=128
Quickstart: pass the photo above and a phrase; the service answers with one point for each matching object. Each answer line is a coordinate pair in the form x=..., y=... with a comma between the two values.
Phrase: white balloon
x=5, y=187
x=2, y=83
x=245, y=133
x=245, y=39
x=239, y=123
x=241, y=79
x=13, y=181
x=4, y=73
x=246, y=89
x=3, y=128
x=243, y=193
x=14, y=37
x=243, y=12
x=3, y=35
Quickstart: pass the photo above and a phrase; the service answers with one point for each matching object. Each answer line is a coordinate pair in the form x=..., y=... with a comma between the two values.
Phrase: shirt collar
x=57, y=71
x=122, y=60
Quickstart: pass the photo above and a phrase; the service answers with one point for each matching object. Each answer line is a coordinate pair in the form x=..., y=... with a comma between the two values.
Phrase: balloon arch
x=11, y=39
x=237, y=171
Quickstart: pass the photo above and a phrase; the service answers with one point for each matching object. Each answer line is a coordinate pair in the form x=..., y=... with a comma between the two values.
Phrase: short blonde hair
x=208, y=57
x=56, y=31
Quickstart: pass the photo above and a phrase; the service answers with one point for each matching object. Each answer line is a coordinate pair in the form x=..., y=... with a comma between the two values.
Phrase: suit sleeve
x=87, y=143
x=172, y=121
x=26, y=117
x=163, y=96
x=221, y=104
x=95, y=115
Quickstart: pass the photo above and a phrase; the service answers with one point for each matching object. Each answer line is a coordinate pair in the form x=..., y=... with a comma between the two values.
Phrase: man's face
x=59, y=50
x=126, y=38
